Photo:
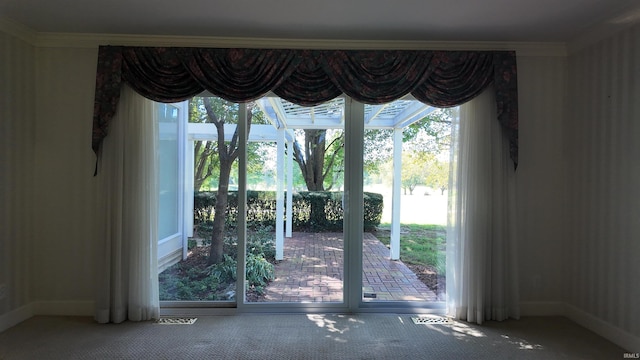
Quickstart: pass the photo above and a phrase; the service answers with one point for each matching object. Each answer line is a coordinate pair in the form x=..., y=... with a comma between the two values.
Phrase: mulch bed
x=428, y=276
x=197, y=258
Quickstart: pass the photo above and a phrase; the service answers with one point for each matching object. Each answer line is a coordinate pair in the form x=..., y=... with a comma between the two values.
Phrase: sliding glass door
x=205, y=274
x=406, y=169
x=294, y=186
x=306, y=205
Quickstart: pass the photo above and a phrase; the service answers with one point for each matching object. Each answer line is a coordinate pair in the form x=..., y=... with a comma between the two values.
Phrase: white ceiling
x=424, y=20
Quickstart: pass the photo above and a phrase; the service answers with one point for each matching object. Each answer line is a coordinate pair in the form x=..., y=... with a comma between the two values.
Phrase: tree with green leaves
x=378, y=149
x=206, y=163
x=219, y=113
x=205, y=152
x=320, y=160
x=414, y=170
x=438, y=176
x=217, y=157
x=432, y=133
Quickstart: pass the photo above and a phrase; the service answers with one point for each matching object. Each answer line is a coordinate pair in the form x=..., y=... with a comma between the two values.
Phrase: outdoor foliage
x=259, y=271
x=431, y=134
x=206, y=152
x=261, y=210
x=415, y=168
x=320, y=158
x=438, y=177
x=196, y=280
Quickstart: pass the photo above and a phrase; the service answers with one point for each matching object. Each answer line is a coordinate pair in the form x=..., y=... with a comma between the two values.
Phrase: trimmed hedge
x=315, y=211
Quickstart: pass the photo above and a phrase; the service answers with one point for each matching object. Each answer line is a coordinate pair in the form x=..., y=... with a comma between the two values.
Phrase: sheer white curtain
x=127, y=198
x=481, y=235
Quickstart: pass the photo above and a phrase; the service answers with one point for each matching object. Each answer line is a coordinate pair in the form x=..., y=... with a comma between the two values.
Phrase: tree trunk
x=202, y=163
x=227, y=154
x=222, y=198
x=312, y=165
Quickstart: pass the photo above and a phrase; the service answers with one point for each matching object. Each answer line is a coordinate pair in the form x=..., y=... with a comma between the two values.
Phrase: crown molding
x=88, y=40
x=94, y=40
x=18, y=30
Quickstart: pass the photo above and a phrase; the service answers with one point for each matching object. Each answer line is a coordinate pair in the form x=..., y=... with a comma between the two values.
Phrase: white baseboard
x=14, y=317
x=625, y=340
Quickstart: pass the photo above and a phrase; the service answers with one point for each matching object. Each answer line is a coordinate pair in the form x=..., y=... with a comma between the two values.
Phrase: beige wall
x=542, y=83
x=603, y=146
x=17, y=149
x=63, y=258
x=46, y=178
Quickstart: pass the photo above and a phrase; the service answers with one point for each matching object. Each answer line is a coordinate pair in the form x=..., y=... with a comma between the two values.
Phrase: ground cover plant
x=195, y=280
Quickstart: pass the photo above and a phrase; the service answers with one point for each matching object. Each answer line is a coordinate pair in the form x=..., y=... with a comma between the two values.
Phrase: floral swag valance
x=306, y=77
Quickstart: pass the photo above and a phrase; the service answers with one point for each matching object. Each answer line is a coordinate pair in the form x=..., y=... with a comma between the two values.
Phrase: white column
x=395, y=197
x=289, y=188
x=280, y=196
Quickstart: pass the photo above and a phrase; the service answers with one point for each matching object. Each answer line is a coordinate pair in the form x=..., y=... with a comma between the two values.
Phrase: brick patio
x=312, y=272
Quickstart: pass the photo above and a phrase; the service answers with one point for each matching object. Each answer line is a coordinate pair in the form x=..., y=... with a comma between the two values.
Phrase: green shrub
x=225, y=271
x=259, y=271
x=316, y=211
x=260, y=248
x=373, y=205
x=261, y=242
x=191, y=286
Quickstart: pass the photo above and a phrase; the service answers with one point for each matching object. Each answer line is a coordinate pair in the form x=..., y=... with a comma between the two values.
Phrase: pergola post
x=289, y=210
x=280, y=196
x=395, y=197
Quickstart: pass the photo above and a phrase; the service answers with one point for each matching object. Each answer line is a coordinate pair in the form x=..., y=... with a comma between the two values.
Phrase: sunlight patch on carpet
x=176, y=321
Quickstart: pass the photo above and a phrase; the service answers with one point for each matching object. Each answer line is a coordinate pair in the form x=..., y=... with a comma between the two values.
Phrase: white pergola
x=286, y=117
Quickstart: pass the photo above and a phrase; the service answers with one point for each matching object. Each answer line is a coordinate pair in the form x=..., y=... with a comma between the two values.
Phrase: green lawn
x=419, y=244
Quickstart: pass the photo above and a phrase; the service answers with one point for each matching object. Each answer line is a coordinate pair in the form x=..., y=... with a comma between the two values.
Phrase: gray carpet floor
x=300, y=336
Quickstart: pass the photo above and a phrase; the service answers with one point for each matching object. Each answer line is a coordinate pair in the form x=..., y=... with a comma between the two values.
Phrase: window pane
x=208, y=274
x=406, y=163
x=295, y=158
x=168, y=172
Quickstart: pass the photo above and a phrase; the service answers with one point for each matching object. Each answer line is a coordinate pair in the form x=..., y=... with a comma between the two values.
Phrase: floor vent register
x=176, y=321
x=431, y=320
